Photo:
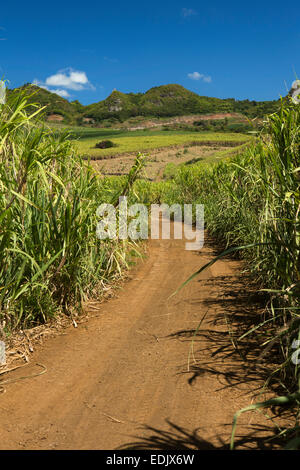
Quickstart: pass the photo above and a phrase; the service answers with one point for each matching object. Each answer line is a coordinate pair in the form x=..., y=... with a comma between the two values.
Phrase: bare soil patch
x=139, y=124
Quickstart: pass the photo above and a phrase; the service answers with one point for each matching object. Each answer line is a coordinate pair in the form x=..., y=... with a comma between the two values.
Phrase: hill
x=162, y=101
x=55, y=104
x=118, y=105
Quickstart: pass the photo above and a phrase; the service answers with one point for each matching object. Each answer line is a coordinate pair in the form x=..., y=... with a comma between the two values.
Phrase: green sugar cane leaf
x=23, y=253
x=23, y=198
x=279, y=401
x=46, y=265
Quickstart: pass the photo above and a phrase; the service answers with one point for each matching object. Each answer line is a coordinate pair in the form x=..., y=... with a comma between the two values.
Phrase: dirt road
x=132, y=376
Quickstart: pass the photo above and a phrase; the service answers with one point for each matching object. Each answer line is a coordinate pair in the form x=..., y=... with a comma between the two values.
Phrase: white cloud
x=70, y=79
x=66, y=79
x=188, y=12
x=199, y=76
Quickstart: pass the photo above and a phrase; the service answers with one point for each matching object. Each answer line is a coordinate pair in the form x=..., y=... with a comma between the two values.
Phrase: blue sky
x=84, y=50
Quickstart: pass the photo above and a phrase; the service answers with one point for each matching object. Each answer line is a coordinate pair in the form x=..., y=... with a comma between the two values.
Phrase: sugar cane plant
x=50, y=258
x=252, y=203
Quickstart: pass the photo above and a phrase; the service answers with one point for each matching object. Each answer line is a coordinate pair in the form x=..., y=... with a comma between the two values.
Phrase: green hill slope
x=172, y=100
x=117, y=105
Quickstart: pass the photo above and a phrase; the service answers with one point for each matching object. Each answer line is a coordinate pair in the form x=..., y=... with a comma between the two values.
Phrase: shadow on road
x=179, y=438
x=218, y=347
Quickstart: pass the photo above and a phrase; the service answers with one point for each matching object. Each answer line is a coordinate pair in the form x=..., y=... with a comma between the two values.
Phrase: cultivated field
x=163, y=148
x=141, y=141
x=163, y=163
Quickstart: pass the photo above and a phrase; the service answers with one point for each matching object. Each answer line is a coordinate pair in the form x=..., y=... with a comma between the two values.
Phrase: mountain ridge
x=160, y=101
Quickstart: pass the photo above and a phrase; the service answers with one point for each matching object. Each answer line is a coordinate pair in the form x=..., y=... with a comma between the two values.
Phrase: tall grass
x=50, y=258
